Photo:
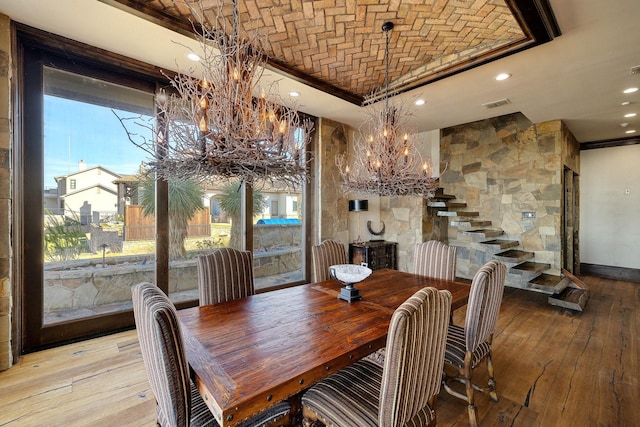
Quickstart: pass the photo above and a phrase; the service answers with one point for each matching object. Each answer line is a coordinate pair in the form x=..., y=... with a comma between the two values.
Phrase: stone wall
x=331, y=202
x=6, y=257
x=502, y=167
x=403, y=218
x=88, y=283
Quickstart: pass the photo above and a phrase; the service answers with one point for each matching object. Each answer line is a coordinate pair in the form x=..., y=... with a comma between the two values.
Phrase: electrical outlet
x=528, y=215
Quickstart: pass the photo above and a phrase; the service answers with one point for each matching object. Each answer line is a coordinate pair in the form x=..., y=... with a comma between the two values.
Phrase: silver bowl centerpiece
x=348, y=275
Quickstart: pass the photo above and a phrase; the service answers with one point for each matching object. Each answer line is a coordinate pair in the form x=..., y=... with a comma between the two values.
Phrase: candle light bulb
x=283, y=126
x=202, y=125
x=236, y=74
x=406, y=151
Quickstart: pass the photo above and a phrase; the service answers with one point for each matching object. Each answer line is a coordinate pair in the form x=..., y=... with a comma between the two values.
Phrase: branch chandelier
x=224, y=124
x=386, y=162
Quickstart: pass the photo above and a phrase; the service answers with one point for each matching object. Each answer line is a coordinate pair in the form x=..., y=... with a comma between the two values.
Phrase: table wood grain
x=249, y=354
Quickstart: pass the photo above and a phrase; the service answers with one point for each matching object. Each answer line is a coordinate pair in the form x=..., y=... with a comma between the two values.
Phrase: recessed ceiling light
x=625, y=103
x=630, y=90
x=624, y=125
x=294, y=94
x=420, y=102
x=503, y=76
x=630, y=115
x=630, y=131
x=192, y=56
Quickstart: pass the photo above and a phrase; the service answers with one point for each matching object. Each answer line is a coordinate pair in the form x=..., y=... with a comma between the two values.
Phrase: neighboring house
x=128, y=191
x=89, y=193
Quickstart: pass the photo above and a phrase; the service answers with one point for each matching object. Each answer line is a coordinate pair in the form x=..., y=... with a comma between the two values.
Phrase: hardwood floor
x=553, y=368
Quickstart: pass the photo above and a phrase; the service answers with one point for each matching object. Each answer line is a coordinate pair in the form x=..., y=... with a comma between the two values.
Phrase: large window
x=93, y=223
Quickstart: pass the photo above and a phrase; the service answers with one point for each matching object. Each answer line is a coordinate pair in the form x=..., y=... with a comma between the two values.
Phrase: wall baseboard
x=608, y=272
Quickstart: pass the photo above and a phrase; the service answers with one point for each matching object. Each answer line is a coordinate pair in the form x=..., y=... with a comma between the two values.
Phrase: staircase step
x=445, y=204
x=571, y=298
x=550, y=283
x=513, y=255
x=501, y=244
x=440, y=195
x=457, y=213
x=471, y=223
x=529, y=268
x=483, y=233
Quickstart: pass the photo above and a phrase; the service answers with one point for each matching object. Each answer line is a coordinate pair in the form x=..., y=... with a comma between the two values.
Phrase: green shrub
x=63, y=238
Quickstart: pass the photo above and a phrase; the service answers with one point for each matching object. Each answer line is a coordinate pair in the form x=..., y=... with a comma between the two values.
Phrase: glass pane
x=278, y=234
x=98, y=241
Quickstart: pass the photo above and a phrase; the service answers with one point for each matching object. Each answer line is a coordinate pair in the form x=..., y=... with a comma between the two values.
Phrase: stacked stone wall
x=502, y=167
x=6, y=255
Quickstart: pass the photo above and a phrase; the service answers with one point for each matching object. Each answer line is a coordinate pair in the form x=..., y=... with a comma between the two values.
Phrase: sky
x=75, y=131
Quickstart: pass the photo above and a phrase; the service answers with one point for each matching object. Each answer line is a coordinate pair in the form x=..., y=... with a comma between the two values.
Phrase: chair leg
x=492, y=382
x=471, y=408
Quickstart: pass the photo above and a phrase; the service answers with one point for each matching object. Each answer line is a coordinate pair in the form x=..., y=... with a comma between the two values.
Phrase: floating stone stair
x=574, y=296
x=482, y=233
x=529, y=268
x=549, y=283
x=498, y=244
x=514, y=255
x=443, y=204
x=571, y=298
x=470, y=223
x=458, y=213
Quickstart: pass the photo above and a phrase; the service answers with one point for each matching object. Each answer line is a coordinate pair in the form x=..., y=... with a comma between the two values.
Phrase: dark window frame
x=34, y=49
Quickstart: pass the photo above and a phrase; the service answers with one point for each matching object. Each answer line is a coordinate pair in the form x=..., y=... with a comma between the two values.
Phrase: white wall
x=609, y=217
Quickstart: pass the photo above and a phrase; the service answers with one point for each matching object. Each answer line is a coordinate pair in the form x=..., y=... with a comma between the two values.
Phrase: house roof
x=87, y=170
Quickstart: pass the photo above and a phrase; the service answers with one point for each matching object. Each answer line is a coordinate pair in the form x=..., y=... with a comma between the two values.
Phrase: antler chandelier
x=224, y=124
x=386, y=161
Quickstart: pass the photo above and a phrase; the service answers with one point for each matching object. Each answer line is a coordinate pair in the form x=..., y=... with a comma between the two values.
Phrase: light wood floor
x=553, y=368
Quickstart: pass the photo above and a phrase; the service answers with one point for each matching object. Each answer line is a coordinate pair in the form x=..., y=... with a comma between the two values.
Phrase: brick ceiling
x=338, y=45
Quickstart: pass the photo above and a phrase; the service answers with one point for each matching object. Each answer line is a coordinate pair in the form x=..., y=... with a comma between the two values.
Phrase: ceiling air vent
x=635, y=70
x=498, y=103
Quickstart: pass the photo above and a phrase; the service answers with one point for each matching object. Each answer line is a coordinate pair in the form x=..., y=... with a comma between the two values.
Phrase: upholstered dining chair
x=402, y=393
x=324, y=255
x=224, y=275
x=178, y=402
x=469, y=345
x=435, y=259
x=432, y=259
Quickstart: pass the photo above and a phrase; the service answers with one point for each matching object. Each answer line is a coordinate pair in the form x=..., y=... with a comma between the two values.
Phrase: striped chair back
x=324, y=255
x=415, y=357
x=225, y=274
x=484, y=303
x=162, y=353
x=435, y=259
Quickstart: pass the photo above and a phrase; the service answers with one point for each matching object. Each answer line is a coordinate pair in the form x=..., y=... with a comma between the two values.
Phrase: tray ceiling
x=338, y=45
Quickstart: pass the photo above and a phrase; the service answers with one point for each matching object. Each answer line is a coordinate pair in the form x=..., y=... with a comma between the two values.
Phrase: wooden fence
x=137, y=226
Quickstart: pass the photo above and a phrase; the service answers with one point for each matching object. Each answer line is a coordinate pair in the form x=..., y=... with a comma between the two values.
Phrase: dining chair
x=432, y=259
x=403, y=392
x=324, y=255
x=435, y=259
x=469, y=345
x=178, y=402
x=224, y=275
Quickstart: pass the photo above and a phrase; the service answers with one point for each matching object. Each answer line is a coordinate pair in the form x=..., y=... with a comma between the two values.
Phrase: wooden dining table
x=249, y=354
